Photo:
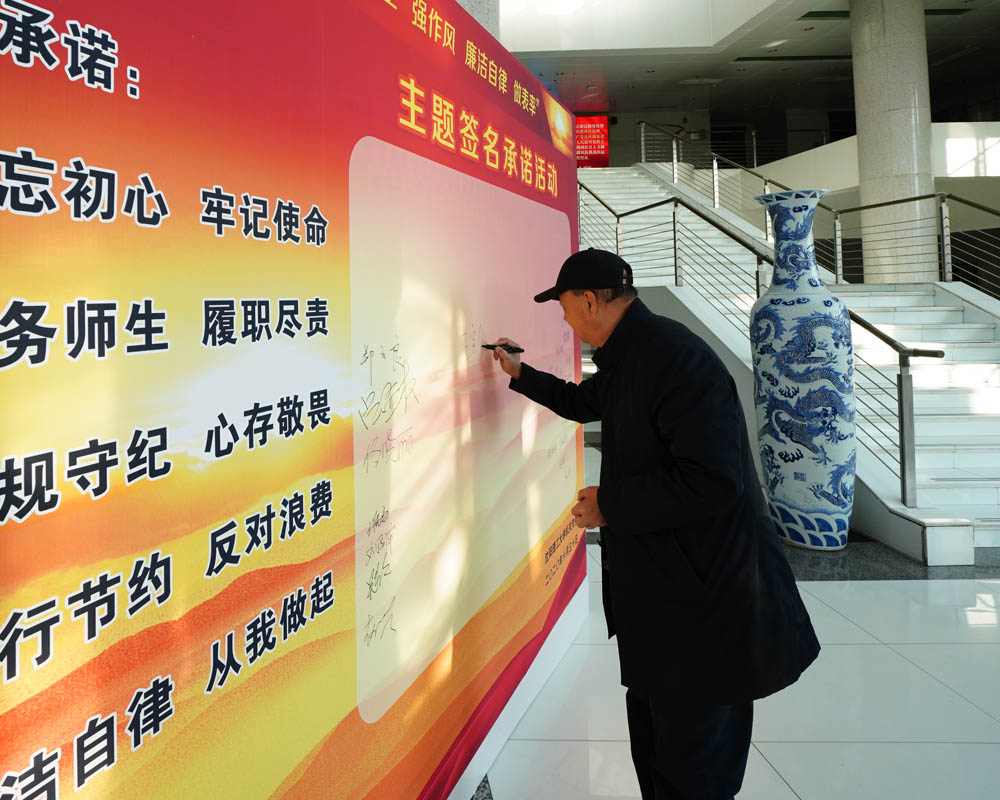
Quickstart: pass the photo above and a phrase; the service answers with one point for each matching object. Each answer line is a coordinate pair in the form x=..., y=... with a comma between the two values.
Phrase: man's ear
x=591, y=299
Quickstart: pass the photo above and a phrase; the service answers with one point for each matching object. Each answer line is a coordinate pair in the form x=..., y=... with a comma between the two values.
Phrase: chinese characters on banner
x=592, y=141
x=246, y=447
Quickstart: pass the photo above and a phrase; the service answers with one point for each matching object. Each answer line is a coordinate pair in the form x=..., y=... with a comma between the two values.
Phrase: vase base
x=812, y=531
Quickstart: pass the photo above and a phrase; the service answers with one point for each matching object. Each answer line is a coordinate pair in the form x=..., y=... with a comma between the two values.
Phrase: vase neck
x=795, y=266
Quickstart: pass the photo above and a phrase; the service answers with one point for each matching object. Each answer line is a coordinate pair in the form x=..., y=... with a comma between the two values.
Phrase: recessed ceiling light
x=776, y=43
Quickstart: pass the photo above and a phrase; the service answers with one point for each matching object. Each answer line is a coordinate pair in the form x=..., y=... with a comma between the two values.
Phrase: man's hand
x=587, y=512
x=509, y=362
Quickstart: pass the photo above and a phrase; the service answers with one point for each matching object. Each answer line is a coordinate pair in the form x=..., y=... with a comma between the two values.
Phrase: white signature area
x=456, y=477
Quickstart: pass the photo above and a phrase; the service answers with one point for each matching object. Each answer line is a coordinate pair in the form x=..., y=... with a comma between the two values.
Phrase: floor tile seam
x=939, y=644
x=776, y=772
x=819, y=599
x=950, y=688
x=549, y=680
x=572, y=741
x=823, y=645
x=988, y=743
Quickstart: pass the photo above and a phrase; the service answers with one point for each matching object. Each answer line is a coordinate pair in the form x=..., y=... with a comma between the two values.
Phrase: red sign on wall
x=592, y=141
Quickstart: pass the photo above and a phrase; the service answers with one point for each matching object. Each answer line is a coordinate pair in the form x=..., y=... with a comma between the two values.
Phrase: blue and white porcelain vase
x=803, y=365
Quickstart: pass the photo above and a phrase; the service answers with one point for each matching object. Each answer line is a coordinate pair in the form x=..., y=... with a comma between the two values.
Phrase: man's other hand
x=587, y=512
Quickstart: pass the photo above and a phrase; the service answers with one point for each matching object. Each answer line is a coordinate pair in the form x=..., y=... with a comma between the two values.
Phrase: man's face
x=575, y=309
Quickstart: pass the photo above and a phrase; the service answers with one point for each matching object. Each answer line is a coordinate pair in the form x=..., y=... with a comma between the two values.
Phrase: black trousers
x=686, y=751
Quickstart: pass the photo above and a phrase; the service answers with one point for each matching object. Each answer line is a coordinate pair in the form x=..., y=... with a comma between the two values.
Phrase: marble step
x=942, y=332
x=921, y=315
x=918, y=315
x=938, y=440
x=978, y=400
x=875, y=351
x=950, y=456
x=933, y=373
x=956, y=424
x=982, y=459
x=885, y=300
x=958, y=490
x=987, y=524
x=621, y=205
x=612, y=195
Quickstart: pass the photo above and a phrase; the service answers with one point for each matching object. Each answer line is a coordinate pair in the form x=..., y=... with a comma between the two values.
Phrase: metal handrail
x=949, y=265
x=904, y=351
x=973, y=204
x=584, y=186
x=689, y=143
x=940, y=195
x=904, y=379
x=885, y=203
x=934, y=195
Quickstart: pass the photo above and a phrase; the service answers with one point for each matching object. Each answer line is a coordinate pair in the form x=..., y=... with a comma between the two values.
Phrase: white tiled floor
x=904, y=702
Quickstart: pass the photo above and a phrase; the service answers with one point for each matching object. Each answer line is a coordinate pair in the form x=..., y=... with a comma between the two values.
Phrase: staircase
x=956, y=399
x=647, y=237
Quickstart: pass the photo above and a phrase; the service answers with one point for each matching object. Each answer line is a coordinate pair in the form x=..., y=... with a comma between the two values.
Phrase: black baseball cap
x=589, y=269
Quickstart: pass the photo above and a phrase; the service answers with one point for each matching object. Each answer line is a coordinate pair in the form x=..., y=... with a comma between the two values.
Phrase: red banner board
x=592, y=141
x=262, y=533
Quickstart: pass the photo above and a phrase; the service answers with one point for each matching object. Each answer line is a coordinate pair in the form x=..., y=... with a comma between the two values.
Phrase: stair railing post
x=642, y=141
x=618, y=236
x=761, y=276
x=715, y=181
x=907, y=436
x=944, y=239
x=768, y=234
x=673, y=157
x=838, y=248
x=753, y=140
x=678, y=272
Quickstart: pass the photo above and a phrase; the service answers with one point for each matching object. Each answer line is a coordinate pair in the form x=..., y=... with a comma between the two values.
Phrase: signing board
x=271, y=522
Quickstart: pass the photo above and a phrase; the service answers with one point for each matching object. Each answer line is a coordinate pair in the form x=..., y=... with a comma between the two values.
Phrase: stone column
x=892, y=102
x=486, y=12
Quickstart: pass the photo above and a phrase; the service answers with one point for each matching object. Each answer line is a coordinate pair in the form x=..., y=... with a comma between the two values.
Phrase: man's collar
x=617, y=343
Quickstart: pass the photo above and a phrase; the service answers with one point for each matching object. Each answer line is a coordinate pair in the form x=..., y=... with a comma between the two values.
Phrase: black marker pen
x=507, y=347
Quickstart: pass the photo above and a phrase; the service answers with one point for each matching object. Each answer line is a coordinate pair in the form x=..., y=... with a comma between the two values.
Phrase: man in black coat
x=696, y=586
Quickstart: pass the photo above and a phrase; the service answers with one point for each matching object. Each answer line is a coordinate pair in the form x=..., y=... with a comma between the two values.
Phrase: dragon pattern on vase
x=803, y=363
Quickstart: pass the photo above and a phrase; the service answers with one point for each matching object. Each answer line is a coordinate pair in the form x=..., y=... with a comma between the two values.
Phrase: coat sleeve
x=697, y=415
x=575, y=401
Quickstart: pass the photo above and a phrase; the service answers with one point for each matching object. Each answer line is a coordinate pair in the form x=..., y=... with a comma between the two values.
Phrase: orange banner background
x=269, y=103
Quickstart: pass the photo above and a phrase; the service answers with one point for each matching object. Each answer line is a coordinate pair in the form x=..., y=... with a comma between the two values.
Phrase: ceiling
x=814, y=35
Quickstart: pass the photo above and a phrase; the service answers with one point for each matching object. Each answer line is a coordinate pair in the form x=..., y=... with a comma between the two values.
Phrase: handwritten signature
x=369, y=354
x=388, y=449
x=381, y=570
x=474, y=335
x=381, y=406
x=377, y=628
x=380, y=518
x=380, y=544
